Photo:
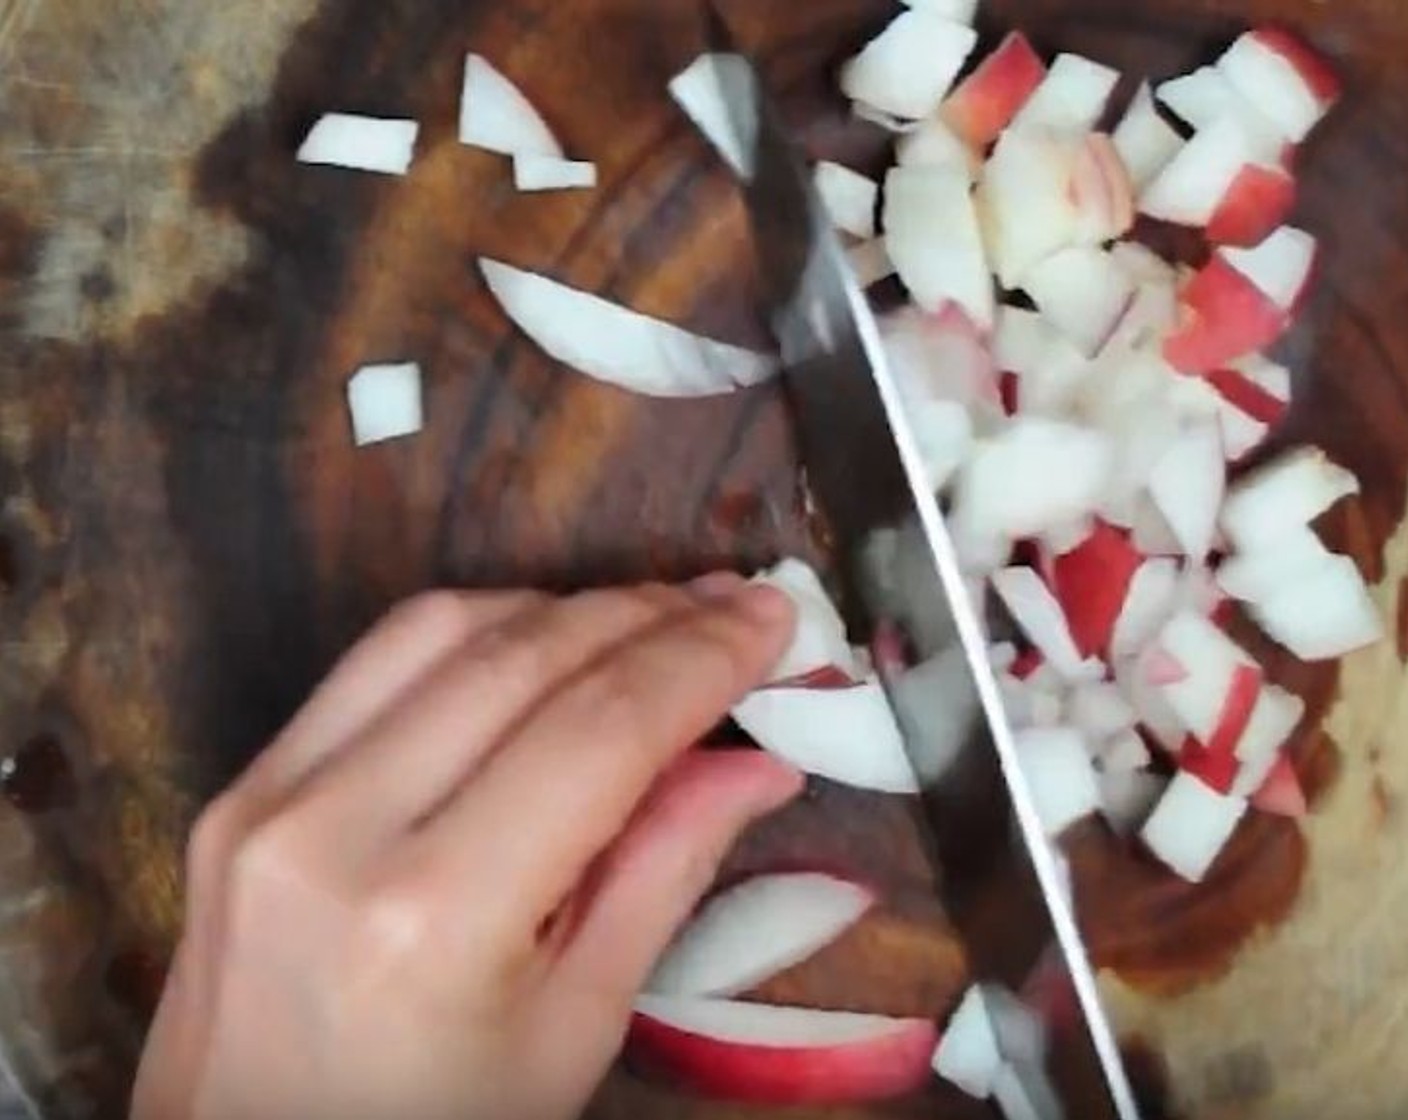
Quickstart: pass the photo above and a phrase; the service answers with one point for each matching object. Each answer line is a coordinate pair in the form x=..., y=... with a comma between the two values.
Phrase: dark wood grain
x=187, y=538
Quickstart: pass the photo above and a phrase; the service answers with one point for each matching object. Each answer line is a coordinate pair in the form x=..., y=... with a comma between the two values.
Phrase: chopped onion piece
x=360, y=143
x=1280, y=266
x=617, y=345
x=754, y=930
x=1128, y=796
x=698, y=90
x=845, y=734
x=1187, y=485
x=908, y=67
x=1035, y=610
x=819, y=640
x=1050, y=370
x=1326, y=614
x=385, y=402
x=932, y=235
x=1190, y=826
x=1283, y=497
x=1274, y=718
x=1189, y=189
x=849, y=197
x=1211, y=659
x=1145, y=141
x=1034, y=476
x=1083, y=293
x=495, y=115
x=1072, y=96
x=549, y=173
x=1025, y=200
x=1152, y=593
x=1268, y=570
x=1290, y=82
x=1099, y=711
x=933, y=144
x=1123, y=753
x=1202, y=97
x=1059, y=771
x=968, y=1055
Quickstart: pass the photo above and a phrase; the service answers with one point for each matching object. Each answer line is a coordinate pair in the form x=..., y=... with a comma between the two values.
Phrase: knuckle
x=438, y=611
x=272, y=854
x=213, y=838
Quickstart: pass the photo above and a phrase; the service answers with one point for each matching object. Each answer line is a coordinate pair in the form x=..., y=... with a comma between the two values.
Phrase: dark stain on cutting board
x=188, y=539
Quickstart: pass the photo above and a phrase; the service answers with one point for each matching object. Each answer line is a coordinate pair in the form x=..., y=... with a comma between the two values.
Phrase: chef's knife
x=1001, y=881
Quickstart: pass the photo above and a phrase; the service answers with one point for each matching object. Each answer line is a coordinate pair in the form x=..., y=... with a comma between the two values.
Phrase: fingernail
x=716, y=586
x=764, y=604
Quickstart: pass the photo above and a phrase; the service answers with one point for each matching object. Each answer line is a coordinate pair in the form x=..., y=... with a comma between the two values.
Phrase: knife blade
x=999, y=876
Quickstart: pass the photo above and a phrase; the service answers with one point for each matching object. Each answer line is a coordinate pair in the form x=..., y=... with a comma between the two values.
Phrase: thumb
x=665, y=860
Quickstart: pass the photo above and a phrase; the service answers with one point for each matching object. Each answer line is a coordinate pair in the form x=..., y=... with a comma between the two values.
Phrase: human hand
x=438, y=891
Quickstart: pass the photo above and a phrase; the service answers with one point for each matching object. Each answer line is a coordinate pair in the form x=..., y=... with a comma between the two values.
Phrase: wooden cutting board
x=188, y=539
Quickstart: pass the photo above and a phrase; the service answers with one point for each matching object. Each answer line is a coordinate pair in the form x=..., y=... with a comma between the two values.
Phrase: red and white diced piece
x=1060, y=775
x=847, y=735
x=932, y=236
x=968, y=1054
x=986, y=101
x=1025, y=200
x=1092, y=581
x=1279, y=266
x=1275, y=717
x=906, y=70
x=1033, y=476
x=849, y=197
x=1255, y=395
x=1147, y=605
x=1281, y=794
x=1194, y=184
x=1102, y=191
x=1190, y=826
x=1049, y=369
x=1210, y=660
x=1187, y=485
x=961, y=11
x=1214, y=759
x=1258, y=201
x=819, y=640
x=1282, y=497
x=1039, y=616
x=758, y=1053
x=1082, y=292
x=1290, y=82
x=1224, y=316
x=1071, y=97
x=1326, y=614
x=1144, y=140
x=756, y=929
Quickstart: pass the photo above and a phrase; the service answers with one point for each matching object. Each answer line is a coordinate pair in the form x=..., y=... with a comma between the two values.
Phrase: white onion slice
x=1058, y=769
x=1025, y=200
x=698, y=90
x=549, y=173
x=617, y=345
x=1263, y=572
x=1189, y=189
x=932, y=235
x=908, y=67
x=1036, y=611
x=1187, y=485
x=1127, y=797
x=1099, y=711
x=1050, y=371
x=496, y=116
x=385, y=402
x=1283, y=497
x=1147, y=606
x=1279, y=266
x=1145, y=141
x=845, y=734
x=968, y=1055
x=934, y=144
x=1191, y=825
x=1083, y=293
x=1071, y=97
x=819, y=640
x=753, y=931
x=1325, y=614
x=361, y=143
x=849, y=197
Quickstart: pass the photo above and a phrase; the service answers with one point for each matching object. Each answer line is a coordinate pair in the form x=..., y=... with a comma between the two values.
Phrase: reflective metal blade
x=1000, y=880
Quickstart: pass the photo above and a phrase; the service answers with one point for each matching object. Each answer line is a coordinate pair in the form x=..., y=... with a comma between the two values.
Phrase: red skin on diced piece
x=868, y=1070
x=1091, y=583
x=1247, y=396
x=1313, y=68
x=1027, y=663
x=1215, y=770
x=1215, y=763
x=986, y=101
x=1257, y=202
x=1009, y=388
x=1281, y=794
x=1225, y=317
x=827, y=676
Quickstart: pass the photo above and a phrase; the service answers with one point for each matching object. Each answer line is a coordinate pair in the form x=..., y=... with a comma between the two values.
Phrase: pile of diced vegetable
x=1080, y=404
